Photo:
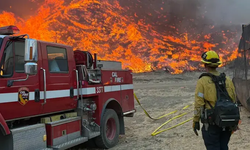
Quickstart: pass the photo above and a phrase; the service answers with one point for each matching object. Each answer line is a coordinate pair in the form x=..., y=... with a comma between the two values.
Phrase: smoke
x=225, y=12
x=203, y=12
x=164, y=14
x=22, y=8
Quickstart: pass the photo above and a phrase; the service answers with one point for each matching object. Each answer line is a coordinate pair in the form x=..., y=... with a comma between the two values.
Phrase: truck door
x=58, y=64
x=17, y=100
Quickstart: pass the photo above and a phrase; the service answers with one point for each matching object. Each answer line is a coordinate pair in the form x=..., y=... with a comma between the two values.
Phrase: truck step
x=91, y=131
x=93, y=134
x=70, y=143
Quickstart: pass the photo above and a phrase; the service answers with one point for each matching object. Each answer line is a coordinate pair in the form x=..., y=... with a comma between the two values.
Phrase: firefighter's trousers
x=215, y=138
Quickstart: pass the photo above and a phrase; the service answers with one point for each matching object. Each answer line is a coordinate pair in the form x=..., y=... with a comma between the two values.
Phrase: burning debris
x=144, y=36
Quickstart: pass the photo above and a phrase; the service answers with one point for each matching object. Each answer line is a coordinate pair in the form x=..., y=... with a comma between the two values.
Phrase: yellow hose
x=160, y=116
x=155, y=132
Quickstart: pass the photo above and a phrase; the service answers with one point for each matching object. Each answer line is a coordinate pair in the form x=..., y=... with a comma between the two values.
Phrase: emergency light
x=9, y=30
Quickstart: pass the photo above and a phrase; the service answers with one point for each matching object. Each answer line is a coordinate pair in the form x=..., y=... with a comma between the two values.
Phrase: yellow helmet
x=211, y=58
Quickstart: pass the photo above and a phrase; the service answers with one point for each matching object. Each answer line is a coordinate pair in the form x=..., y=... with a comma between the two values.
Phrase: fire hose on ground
x=178, y=116
x=173, y=118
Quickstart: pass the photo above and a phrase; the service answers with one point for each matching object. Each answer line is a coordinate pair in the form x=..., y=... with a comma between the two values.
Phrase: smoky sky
x=226, y=11
x=164, y=13
x=21, y=8
x=193, y=13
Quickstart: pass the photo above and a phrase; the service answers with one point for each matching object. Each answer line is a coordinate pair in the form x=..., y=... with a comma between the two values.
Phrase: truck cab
x=68, y=95
x=51, y=69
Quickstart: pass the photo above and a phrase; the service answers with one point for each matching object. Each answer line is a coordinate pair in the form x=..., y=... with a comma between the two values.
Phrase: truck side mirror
x=30, y=57
x=30, y=68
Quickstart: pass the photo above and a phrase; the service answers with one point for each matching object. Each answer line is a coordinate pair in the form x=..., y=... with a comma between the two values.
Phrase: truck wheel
x=110, y=128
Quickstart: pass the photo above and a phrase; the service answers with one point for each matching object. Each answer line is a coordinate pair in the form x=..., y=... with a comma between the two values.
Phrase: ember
x=142, y=37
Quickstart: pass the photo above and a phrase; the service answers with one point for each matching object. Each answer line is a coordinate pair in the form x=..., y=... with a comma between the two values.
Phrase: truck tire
x=110, y=128
x=6, y=141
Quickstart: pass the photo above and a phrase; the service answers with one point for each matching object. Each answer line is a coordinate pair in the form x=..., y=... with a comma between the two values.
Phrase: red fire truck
x=54, y=98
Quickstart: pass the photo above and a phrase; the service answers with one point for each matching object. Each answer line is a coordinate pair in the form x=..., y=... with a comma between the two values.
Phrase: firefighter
x=215, y=138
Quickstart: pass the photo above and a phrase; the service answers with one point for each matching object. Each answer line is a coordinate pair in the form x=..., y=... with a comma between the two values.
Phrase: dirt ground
x=161, y=93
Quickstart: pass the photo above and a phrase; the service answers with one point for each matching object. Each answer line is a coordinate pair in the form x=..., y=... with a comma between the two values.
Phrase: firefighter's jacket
x=206, y=91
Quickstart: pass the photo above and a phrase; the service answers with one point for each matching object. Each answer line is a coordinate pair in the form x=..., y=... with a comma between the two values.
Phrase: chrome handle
x=77, y=84
x=44, y=85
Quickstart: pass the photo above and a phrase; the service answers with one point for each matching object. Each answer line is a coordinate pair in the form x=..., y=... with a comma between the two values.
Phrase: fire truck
x=54, y=98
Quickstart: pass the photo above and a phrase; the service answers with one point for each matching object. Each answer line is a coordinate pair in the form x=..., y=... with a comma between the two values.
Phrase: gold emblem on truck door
x=23, y=96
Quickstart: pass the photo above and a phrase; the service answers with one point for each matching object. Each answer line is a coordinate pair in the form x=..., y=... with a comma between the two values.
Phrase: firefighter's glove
x=196, y=126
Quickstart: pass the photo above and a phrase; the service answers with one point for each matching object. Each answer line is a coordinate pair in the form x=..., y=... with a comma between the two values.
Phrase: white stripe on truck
x=127, y=86
x=112, y=88
x=13, y=97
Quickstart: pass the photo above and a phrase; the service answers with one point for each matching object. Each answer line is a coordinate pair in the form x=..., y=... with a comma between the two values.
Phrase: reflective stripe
x=201, y=95
x=112, y=88
x=13, y=97
x=127, y=86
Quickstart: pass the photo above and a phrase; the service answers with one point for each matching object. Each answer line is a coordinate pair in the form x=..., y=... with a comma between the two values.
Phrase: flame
x=100, y=26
